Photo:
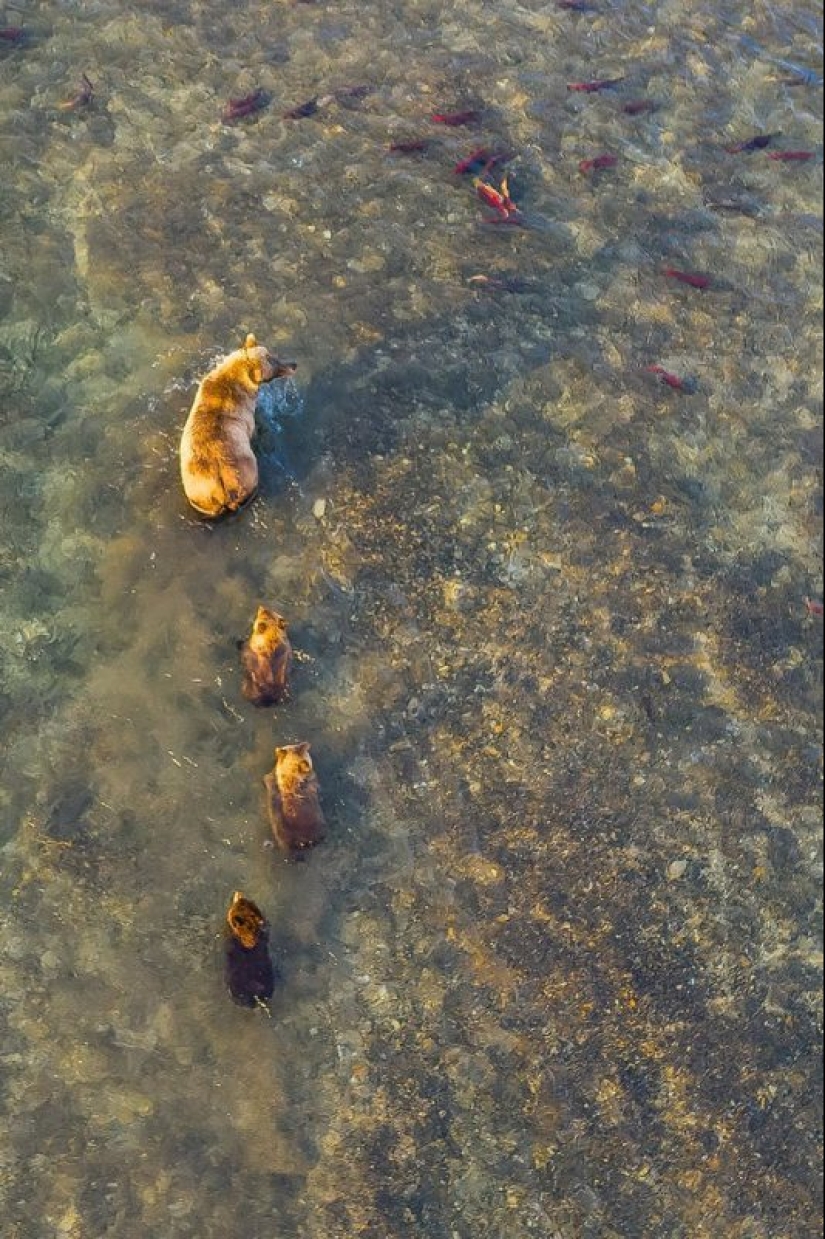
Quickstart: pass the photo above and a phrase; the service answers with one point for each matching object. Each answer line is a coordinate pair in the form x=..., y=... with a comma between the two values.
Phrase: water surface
x=556, y=971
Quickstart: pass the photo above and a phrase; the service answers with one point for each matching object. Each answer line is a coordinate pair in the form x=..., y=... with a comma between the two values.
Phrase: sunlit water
x=556, y=971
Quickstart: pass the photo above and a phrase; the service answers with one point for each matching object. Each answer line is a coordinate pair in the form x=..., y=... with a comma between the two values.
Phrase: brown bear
x=292, y=800
x=217, y=464
x=249, y=973
x=266, y=659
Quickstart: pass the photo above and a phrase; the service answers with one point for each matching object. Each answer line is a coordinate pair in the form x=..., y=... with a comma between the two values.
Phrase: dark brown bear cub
x=249, y=973
x=266, y=659
x=292, y=800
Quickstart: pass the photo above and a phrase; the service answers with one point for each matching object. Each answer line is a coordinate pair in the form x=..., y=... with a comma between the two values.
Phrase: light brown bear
x=292, y=799
x=266, y=659
x=217, y=464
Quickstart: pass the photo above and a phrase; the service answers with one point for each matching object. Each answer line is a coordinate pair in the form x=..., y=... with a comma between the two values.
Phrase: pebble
x=676, y=869
x=319, y=507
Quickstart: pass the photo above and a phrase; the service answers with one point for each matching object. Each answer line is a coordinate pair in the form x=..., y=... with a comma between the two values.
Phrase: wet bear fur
x=248, y=969
x=266, y=660
x=293, y=800
x=218, y=467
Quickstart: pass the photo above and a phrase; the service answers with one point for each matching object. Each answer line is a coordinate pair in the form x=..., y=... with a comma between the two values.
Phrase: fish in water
x=479, y=161
x=638, y=107
x=248, y=105
x=83, y=97
x=592, y=88
x=412, y=146
x=303, y=109
x=692, y=278
x=453, y=119
x=498, y=199
x=790, y=156
x=598, y=163
x=672, y=380
x=757, y=143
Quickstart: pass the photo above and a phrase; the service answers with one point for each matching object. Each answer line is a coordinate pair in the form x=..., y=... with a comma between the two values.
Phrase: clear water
x=557, y=969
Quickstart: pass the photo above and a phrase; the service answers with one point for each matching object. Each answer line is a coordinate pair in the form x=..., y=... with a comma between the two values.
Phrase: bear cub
x=266, y=659
x=292, y=800
x=248, y=968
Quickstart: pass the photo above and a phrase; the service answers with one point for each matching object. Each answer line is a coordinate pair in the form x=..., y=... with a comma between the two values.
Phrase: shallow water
x=556, y=970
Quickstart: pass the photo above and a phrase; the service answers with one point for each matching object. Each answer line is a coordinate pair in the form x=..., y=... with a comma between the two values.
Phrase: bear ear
x=250, y=341
x=302, y=749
